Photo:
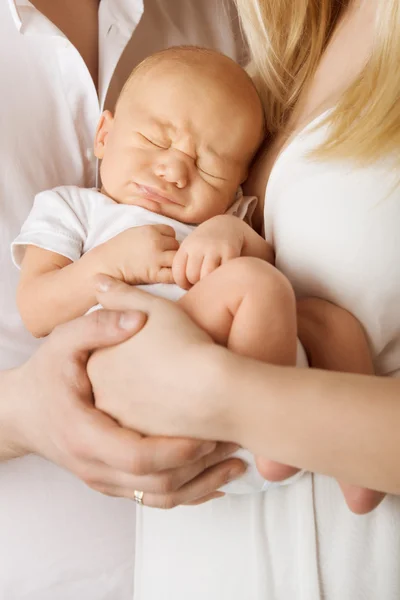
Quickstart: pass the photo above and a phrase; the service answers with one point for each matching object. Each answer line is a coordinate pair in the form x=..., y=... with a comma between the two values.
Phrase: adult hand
x=162, y=378
x=53, y=415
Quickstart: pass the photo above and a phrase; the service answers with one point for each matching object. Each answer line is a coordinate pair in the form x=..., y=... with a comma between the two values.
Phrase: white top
x=336, y=234
x=59, y=540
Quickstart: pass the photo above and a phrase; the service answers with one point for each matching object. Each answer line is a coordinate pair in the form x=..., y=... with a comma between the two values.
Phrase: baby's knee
x=254, y=272
x=264, y=280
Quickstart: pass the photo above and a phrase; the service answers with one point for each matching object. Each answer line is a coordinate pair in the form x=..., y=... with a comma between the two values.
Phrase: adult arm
x=341, y=425
x=46, y=408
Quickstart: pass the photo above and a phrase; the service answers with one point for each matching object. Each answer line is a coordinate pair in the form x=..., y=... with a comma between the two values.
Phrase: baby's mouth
x=154, y=194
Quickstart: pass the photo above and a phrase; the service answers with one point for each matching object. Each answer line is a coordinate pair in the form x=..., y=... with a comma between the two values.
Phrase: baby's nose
x=173, y=170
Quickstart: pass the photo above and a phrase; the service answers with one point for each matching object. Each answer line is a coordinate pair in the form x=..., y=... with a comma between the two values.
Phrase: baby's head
x=186, y=127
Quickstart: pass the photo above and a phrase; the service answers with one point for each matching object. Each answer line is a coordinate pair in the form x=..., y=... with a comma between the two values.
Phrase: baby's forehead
x=213, y=99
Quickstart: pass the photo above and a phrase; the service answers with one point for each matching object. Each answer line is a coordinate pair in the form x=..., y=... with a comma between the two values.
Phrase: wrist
x=93, y=264
x=217, y=418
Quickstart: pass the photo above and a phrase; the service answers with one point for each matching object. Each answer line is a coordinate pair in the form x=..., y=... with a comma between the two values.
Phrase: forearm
x=341, y=425
x=57, y=296
x=8, y=410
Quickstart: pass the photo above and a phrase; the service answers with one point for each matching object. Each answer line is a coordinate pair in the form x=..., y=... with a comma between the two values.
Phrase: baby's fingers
x=179, y=269
x=167, y=258
x=165, y=275
x=210, y=264
x=169, y=243
x=193, y=267
x=166, y=230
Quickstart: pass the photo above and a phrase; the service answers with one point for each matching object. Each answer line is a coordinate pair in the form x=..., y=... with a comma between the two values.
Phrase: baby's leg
x=248, y=306
x=335, y=341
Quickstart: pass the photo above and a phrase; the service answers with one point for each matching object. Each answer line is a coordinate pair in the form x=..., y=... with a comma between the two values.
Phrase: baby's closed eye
x=164, y=144
x=212, y=174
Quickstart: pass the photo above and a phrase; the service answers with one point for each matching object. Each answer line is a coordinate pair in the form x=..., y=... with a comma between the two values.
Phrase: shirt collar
x=125, y=14
x=29, y=20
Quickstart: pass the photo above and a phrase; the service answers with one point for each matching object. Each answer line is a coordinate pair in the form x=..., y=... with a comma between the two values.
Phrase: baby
x=186, y=128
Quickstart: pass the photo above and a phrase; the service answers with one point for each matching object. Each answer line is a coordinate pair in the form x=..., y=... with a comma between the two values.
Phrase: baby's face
x=180, y=144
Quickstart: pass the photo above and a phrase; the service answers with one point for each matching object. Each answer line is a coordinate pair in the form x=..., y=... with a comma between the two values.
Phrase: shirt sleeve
x=57, y=222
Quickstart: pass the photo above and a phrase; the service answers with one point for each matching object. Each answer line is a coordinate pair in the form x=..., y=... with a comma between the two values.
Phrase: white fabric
x=58, y=539
x=72, y=221
x=336, y=233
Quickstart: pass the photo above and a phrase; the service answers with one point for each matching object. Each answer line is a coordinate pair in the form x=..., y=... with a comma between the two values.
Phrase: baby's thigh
x=246, y=282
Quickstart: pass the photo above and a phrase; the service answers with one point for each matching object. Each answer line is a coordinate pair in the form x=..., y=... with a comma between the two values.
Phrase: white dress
x=335, y=228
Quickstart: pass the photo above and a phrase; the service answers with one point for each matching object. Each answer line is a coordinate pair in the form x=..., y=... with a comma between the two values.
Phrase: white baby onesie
x=70, y=221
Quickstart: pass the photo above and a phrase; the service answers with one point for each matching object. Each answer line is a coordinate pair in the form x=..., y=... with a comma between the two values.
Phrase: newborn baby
x=173, y=155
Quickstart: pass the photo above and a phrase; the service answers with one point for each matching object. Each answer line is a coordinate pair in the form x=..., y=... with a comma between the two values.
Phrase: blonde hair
x=286, y=40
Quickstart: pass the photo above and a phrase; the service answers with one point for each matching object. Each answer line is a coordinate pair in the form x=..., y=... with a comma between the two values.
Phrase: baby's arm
x=214, y=243
x=333, y=338
x=53, y=289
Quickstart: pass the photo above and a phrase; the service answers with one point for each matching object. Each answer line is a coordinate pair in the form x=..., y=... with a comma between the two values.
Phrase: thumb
x=99, y=329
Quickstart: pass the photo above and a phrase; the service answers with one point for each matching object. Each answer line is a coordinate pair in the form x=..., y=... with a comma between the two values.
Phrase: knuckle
x=136, y=465
x=76, y=446
x=168, y=483
x=168, y=502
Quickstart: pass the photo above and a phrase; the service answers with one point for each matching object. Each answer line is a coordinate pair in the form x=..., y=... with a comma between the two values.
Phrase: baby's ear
x=104, y=127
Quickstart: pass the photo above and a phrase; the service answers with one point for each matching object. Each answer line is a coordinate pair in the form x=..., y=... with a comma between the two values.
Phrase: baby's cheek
x=205, y=203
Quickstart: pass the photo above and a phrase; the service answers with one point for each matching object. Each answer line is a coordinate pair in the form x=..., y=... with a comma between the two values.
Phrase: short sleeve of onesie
x=58, y=222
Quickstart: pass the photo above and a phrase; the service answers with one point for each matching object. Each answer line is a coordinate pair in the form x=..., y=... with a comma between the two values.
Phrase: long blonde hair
x=286, y=40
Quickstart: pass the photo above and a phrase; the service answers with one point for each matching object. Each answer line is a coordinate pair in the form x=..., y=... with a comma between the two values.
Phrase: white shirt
x=58, y=539
x=335, y=229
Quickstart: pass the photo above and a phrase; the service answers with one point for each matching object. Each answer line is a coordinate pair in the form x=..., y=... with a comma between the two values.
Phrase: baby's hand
x=212, y=244
x=139, y=255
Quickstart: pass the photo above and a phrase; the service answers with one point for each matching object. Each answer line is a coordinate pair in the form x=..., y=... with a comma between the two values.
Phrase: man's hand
x=47, y=409
x=139, y=255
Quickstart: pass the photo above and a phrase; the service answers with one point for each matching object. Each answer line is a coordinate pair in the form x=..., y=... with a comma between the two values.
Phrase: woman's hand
x=161, y=377
x=47, y=409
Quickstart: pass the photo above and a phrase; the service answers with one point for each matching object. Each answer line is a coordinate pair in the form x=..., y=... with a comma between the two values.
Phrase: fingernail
x=206, y=448
x=234, y=474
x=129, y=321
x=103, y=283
x=230, y=449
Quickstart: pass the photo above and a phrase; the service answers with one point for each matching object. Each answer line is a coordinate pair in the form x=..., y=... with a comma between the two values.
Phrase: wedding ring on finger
x=138, y=497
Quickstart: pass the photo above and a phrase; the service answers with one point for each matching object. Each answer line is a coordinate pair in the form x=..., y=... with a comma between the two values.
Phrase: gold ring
x=138, y=496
